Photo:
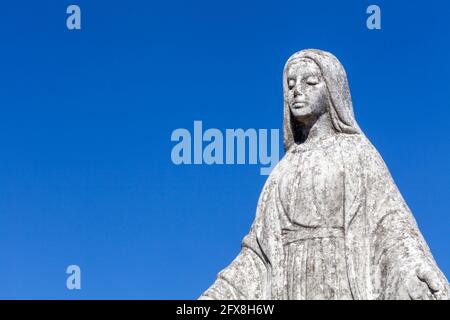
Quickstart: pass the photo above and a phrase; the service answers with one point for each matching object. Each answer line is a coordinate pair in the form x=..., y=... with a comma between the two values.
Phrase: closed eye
x=312, y=80
x=291, y=83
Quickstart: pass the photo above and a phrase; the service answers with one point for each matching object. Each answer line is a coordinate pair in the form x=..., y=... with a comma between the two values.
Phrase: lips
x=298, y=105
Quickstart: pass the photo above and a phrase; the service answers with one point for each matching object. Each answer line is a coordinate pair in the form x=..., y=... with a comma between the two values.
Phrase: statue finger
x=418, y=290
x=441, y=294
x=431, y=280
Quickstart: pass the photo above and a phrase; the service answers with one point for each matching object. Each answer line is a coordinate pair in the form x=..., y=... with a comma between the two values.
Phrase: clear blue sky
x=86, y=116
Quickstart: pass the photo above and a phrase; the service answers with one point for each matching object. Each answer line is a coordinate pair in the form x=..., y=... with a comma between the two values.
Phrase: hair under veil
x=340, y=107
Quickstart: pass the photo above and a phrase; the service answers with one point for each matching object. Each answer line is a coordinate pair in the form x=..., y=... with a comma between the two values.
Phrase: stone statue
x=330, y=221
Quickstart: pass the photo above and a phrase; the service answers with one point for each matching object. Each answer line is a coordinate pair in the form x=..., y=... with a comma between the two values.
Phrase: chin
x=302, y=113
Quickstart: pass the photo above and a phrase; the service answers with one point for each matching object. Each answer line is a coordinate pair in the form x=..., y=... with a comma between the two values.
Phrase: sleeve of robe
x=241, y=280
x=245, y=277
x=395, y=243
x=249, y=275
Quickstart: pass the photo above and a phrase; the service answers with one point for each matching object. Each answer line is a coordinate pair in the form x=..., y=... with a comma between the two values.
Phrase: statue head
x=314, y=84
x=307, y=95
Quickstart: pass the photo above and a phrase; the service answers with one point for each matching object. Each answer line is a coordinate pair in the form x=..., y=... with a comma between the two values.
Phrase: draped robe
x=380, y=236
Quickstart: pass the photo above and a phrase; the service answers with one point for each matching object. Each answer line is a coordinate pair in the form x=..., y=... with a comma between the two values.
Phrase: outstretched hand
x=424, y=283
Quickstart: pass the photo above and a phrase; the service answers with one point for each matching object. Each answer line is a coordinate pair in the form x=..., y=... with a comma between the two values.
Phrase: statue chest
x=311, y=189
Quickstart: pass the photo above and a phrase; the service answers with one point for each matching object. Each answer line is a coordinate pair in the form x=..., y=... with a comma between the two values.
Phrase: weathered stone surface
x=330, y=221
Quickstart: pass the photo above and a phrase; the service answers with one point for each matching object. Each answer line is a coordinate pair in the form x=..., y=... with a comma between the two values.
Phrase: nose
x=298, y=90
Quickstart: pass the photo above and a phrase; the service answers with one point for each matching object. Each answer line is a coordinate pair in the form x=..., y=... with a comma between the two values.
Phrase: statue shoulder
x=358, y=148
x=361, y=153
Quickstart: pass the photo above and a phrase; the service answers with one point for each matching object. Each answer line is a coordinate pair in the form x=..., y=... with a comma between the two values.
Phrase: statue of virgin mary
x=330, y=221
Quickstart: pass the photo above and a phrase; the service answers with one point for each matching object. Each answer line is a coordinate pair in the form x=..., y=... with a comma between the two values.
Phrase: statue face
x=307, y=90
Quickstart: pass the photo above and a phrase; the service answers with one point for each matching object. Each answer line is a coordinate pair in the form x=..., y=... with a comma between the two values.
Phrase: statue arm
x=242, y=279
x=250, y=274
x=400, y=255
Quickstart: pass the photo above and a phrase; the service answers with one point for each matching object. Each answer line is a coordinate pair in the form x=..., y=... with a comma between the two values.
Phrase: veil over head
x=340, y=107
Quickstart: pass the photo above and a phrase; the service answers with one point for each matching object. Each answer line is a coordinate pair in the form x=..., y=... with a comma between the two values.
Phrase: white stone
x=330, y=222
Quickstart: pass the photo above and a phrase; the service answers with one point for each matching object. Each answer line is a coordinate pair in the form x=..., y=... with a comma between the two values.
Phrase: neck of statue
x=318, y=130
